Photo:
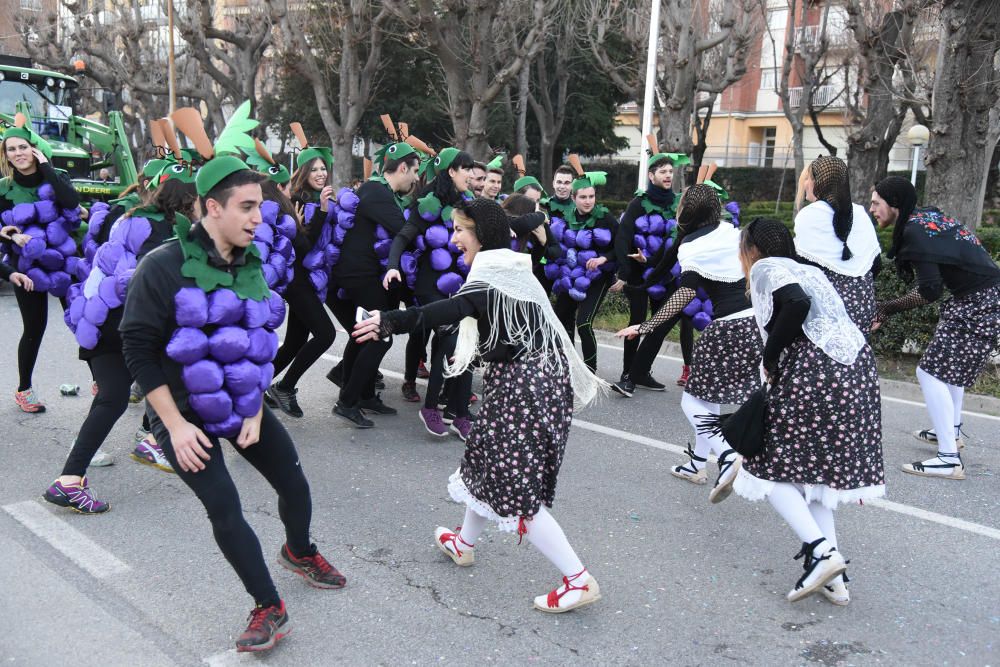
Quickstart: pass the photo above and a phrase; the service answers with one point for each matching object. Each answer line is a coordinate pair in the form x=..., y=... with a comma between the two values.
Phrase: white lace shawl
x=816, y=241
x=827, y=325
x=715, y=255
x=515, y=296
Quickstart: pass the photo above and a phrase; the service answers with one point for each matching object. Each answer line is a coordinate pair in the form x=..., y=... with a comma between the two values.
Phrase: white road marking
x=73, y=544
x=230, y=657
x=899, y=508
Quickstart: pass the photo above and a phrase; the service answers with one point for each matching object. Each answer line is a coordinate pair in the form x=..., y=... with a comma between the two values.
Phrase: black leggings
x=113, y=385
x=306, y=315
x=638, y=356
x=34, y=307
x=458, y=389
x=361, y=361
x=416, y=351
x=275, y=458
x=582, y=314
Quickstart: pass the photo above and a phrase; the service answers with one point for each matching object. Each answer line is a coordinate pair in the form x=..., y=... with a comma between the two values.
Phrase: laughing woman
x=509, y=471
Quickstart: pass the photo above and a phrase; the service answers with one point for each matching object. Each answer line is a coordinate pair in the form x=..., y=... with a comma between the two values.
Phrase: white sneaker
x=729, y=465
x=576, y=592
x=835, y=591
x=101, y=459
x=819, y=571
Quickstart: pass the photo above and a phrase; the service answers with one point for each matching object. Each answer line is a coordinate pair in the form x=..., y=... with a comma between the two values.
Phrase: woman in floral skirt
x=515, y=449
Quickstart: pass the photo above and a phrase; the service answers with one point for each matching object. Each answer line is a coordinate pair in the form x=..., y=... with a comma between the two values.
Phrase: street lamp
x=918, y=136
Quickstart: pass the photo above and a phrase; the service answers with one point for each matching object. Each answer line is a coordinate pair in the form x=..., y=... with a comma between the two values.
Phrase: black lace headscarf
x=699, y=207
x=492, y=225
x=770, y=237
x=832, y=185
x=900, y=194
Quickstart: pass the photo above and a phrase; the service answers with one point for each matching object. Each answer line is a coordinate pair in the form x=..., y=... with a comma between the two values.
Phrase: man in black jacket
x=359, y=274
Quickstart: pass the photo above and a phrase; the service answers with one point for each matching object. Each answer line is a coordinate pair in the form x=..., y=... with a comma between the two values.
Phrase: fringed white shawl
x=518, y=301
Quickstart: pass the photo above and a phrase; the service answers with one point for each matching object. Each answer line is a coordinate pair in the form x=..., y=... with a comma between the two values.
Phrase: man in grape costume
x=198, y=336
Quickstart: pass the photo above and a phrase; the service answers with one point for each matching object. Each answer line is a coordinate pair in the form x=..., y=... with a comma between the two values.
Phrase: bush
x=906, y=332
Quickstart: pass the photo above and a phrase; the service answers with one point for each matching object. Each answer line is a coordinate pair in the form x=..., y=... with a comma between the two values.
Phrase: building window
x=768, y=78
x=31, y=5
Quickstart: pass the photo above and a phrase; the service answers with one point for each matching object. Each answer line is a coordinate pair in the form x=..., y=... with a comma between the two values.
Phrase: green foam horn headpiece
x=525, y=181
x=31, y=137
x=590, y=179
x=216, y=169
x=496, y=162
x=309, y=154
x=675, y=158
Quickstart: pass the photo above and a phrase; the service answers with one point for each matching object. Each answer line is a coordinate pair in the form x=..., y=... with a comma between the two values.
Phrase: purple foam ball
x=347, y=199
x=382, y=248
x=345, y=219
x=593, y=274
x=551, y=271
x=338, y=235
x=569, y=238
x=562, y=285
x=319, y=280
x=51, y=260
x=227, y=344
x=656, y=224
x=283, y=246
x=584, y=256
x=211, y=406
x=203, y=376
x=670, y=225
x=308, y=211
x=708, y=308
x=277, y=306
x=263, y=345
x=46, y=191
x=108, y=256
x=420, y=243
x=108, y=292
x=676, y=270
x=7, y=217
x=95, y=310
x=406, y=214
x=602, y=237
x=256, y=313
x=191, y=307
x=436, y=236
x=572, y=258
x=653, y=244
x=440, y=259
x=266, y=375
x=224, y=307
x=270, y=275
x=24, y=215
x=584, y=239
x=287, y=227
x=669, y=243
x=332, y=256
x=269, y=210
x=67, y=248
x=700, y=321
x=429, y=216
x=449, y=283
x=656, y=292
x=408, y=263
x=82, y=268
x=639, y=241
x=313, y=260
x=452, y=248
x=557, y=228
x=87, y=335
x=228, y=428
x=576, y=294
x=577, y=271
x=248, y=404
x=381, y=233
x=33, y=249
x=187, y=345
x=55, y=234
x=264, y=234
x=132, y=233
x=693, y=307
x=642, y=224
x=581, y=284
x=241, y=376
x=279, y=263
x=460, y=263
x=701, y=293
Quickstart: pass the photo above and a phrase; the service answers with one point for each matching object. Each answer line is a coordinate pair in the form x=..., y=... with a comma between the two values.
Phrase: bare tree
x=481, y=46
x=966, y=108
x=337, y=47
x=549, y=95
x=885, y=86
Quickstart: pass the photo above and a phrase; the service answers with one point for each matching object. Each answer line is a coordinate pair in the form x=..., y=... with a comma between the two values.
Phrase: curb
x=898, y=389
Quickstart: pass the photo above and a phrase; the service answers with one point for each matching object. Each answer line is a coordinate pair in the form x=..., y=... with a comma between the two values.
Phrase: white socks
x=944, y=404
x=789, y=502
x=703, y=444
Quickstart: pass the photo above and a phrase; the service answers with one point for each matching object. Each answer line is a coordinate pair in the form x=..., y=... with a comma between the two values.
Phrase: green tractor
x=96, y=156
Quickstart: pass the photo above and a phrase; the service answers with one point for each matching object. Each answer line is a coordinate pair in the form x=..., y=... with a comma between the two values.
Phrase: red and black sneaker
x=314, y=569
x=267, y=625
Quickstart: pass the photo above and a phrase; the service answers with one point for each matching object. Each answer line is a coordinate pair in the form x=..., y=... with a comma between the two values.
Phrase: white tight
x=543, y=531
x=810, y=521
x=944, y=404
x=703, y=444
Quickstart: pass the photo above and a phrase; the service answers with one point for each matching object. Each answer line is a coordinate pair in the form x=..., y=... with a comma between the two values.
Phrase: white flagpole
x=647, y=103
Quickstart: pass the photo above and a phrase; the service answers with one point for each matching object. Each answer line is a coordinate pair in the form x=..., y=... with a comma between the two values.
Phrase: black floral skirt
x=967, y=333
x=514, y=452
x=725, y=367
x=858, y=295
x=823, y=429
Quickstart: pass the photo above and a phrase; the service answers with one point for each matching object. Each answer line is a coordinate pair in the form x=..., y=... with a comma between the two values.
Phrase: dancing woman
x=837, y=236
x=511, y=463
x=823, y=422
x=725, y=365
x=943, y=254
x=39, y=209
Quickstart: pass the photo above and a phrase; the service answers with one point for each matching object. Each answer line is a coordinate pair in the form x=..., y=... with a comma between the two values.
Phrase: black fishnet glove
x=908, y=301
x=674, y=305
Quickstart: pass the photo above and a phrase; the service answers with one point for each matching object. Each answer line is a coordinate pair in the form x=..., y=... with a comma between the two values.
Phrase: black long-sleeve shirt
x=727, y=298
x=932, y=279
x=377, y=206
x=66, y=195
x=149, y=319
x=791, y=306
x=452, y=310
x=6, y=271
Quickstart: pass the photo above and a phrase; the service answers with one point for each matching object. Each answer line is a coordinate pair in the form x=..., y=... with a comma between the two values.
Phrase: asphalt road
x=684, y=582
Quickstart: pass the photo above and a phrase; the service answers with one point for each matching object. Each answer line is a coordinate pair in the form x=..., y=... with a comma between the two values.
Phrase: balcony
x=823, y=97
x=837, y=37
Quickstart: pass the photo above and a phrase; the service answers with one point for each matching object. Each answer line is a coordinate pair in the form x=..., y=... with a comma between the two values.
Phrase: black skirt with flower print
x=858, y=295
x=725, y=368
x=966, y=335
x=513, y=455
x=823, y=423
